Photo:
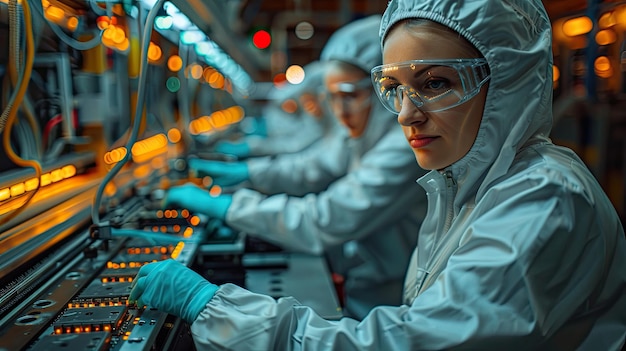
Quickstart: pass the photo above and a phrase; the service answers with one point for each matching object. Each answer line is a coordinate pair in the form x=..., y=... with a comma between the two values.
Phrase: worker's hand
x=240, y=149
x=197, y=200
x=171, y=287
x=222, y=173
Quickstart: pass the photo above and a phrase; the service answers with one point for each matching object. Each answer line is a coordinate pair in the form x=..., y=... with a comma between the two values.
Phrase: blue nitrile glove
x=222, y=173
x=240, y=149
x=171, y=287
x=198, y=200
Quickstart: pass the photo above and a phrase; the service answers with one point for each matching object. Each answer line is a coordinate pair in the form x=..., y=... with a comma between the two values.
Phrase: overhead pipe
x=591, y=51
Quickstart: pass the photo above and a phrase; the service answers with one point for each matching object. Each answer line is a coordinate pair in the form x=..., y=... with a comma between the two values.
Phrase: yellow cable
x=6, y=140
x=5, y=91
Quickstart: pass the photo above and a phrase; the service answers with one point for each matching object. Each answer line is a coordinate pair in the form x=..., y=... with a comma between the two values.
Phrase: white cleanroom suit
x=520, y=250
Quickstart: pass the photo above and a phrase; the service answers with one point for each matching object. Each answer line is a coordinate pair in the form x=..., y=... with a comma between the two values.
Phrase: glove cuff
x=199, y=301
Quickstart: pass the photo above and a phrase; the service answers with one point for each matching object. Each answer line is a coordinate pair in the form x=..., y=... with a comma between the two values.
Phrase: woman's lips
x=417, y=142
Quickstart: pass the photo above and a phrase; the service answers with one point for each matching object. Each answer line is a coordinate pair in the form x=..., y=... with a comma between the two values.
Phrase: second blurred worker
x=295, y=109
x=354, y=197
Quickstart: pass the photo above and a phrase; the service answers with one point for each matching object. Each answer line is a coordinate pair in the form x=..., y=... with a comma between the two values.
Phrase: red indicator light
x=261, y=39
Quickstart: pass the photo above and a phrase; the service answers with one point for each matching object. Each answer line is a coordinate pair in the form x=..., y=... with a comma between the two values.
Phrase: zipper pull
x=450, y=182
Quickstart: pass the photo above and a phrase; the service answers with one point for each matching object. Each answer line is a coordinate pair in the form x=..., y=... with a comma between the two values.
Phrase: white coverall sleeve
x=375, y=193
x=520, y=270
x=280, y=145
x=310, y=170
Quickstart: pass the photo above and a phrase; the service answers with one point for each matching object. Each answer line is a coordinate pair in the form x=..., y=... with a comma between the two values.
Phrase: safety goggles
x=434, y=85
x=352, y=96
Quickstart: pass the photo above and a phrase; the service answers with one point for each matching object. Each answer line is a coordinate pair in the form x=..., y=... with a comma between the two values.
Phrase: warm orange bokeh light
x=195, y=70
x=289, y=106
x=174, y=135
x=603, y=68
x=54, y=14
x=174, y=63
x=216, y=80
x=154, y=52
x=577, y=26
x=606, y=37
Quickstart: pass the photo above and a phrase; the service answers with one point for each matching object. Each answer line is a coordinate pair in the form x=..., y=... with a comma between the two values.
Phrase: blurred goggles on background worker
x=311, y=105
x=351, y=96
x=433, y=85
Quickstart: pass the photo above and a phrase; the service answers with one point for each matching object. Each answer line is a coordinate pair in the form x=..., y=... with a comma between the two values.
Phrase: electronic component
x=87, y=320
x=103, y=293
x=97, y=341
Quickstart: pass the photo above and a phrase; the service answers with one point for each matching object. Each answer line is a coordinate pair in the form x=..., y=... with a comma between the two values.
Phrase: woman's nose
x=409, y=113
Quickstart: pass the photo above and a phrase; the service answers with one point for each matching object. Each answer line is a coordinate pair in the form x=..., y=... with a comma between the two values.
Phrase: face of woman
x=441, y=138
x=348, y=92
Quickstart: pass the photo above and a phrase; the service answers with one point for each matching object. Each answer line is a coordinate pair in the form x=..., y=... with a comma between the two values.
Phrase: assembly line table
x=305, y=277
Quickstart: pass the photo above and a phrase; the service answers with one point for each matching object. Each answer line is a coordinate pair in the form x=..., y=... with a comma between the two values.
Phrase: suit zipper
x=450, y=194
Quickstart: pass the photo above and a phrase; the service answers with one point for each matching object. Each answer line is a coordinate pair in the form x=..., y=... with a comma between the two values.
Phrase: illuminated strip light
x=60, y=15
x=141, y=151
x=216, y=120
x=577, y=26
x=115, y=155
x=148, y=148
x=53, y=176
x=178, y=249
x=109, y=303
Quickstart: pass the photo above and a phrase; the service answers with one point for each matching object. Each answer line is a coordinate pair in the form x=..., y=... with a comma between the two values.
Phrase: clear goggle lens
x=352, y=96
x=434, y=85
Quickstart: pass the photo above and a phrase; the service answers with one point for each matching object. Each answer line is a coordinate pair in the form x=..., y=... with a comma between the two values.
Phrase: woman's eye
x=436, y=85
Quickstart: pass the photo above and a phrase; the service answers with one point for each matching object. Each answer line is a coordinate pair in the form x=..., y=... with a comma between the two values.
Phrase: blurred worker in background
x=521, y=248
x=293, y=120
x=353, y=197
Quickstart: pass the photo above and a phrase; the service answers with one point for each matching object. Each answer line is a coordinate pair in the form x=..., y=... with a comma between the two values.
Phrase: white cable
x=71, y=42
x=95, y=8
x=141, y=93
